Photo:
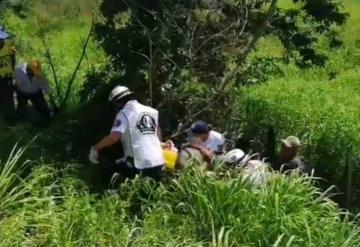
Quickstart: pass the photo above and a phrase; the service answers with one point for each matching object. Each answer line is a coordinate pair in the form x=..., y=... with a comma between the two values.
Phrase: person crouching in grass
x=31, y=85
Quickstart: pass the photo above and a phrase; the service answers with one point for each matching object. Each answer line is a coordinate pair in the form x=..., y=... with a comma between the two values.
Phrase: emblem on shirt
x=117, y=123
x=146, y=124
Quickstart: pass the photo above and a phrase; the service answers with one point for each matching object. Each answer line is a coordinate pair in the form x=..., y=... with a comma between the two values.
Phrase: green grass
x=320, y=105
x=66, y=30
x=51, y=206
x=54, y=208
x=323, y=113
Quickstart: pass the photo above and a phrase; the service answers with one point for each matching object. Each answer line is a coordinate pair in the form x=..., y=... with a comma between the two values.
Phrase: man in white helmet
x=137, y=126
x=236, y=157
x=253, y=170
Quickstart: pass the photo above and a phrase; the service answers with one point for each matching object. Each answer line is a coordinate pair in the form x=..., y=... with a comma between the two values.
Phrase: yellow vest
x=6, y=56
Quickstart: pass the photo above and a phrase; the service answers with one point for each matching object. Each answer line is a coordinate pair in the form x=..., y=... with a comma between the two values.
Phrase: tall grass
x=320, y=105
x=53, y=208
x=287, y=207
x=65, y=26
x=13, y=189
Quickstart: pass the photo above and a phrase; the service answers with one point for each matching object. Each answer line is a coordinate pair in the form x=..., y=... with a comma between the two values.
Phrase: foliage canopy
x=186, y=55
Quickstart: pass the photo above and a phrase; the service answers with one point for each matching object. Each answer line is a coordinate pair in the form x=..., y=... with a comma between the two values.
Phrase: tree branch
x=72, y=79
x=189, y=119
x=50, y=60
x=213, y=37
x=227, y=79
x=249, y=47
x=141, y=54
x=148, y=34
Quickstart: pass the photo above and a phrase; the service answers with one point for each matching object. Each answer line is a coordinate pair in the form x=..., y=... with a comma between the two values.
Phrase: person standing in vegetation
x=137, y=126
x=289, y=160
x=7, y=64
x=31, y=85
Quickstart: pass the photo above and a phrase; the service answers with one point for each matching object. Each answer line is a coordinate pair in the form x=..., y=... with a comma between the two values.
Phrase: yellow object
x=6, y=60
x=35, y=66
x=170, y=159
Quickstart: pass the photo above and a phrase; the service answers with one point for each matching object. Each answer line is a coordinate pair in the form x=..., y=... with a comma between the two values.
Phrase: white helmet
x=118, y=93
x=235, y=157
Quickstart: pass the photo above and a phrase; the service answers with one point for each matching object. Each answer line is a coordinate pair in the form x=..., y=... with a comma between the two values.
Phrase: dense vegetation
x=56, y=34
x=287, y=66
x=188, y=56
x=49, y=208
x=319, y=104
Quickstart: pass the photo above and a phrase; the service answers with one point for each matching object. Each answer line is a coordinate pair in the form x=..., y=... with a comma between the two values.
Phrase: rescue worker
x=212, y=140
x=236, y=157
x=137, y=127
x=31, y=85
x=253, y=169
x=289, y=160
x=7, y=64
x=196, y=151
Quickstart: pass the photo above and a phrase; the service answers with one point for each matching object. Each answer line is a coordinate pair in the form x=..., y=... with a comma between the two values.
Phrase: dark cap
x=200, y=127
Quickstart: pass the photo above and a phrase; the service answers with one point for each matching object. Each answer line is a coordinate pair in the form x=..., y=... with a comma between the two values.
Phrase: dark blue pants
x=7, y=106
x=38, y=101
x=127, y=169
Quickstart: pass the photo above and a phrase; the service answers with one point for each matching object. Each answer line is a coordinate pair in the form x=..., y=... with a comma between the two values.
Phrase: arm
x=119, y=127
x=108, y=141
x=45, y=87
x=44, y=84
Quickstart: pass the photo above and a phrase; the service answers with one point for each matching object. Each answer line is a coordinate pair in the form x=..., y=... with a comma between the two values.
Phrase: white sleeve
x=120, y=124
x=218, y=138
x=222, y=139
x=220, y=142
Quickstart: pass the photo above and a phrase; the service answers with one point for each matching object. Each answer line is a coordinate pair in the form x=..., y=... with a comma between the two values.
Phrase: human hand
x=94, y=155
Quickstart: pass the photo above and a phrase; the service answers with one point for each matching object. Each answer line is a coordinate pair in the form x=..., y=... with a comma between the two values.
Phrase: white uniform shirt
x=121, y=125
x=138, y=125
x=215, y=142
x=25, y=85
